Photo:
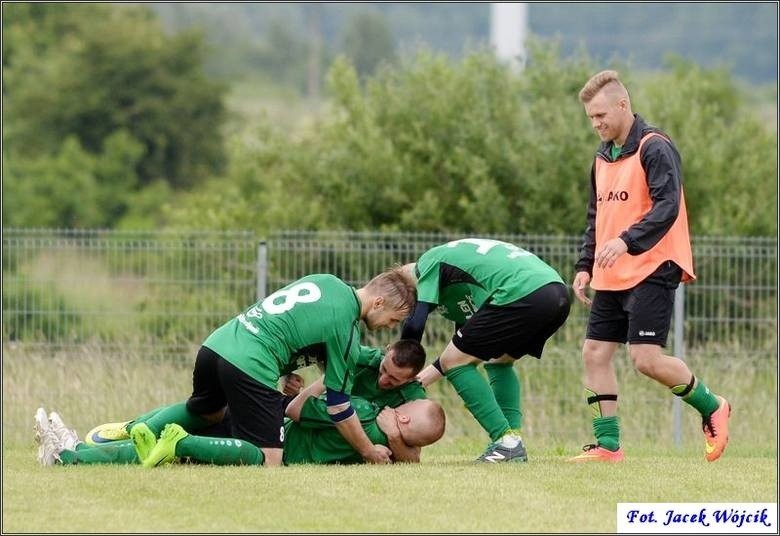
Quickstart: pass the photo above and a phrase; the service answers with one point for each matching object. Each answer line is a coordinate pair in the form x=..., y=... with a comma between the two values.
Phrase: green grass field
x=447, y=492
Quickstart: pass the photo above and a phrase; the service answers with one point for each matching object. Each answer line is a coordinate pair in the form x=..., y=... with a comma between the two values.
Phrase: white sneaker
x=67, y=437
x=49, y=450
x=47, y=440
x=41, y=426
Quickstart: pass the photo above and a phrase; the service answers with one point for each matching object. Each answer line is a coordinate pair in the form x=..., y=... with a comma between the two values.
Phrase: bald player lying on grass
x=310, y=437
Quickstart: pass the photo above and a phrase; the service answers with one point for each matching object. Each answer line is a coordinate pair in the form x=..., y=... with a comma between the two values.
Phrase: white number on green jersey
x=484, y=245
x=301, y=293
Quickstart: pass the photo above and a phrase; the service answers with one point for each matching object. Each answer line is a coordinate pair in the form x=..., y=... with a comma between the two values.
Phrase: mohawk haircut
x=598, y=82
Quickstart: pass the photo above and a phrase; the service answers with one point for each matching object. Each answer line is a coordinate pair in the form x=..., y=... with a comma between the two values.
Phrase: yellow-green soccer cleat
x=106, y=433
x=165, y=449
x=143, y=439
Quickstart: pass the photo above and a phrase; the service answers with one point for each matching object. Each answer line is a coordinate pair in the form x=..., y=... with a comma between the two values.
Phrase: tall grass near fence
x=87, y=386
x=90, y=387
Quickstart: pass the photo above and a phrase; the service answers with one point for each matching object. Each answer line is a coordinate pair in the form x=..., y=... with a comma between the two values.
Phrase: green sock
x=508, y=391
x=219, y=451
x=606, y=429
x=115, y=452
x=479, y=400
x=175, y=413
x=145, y=417
x=607, y=432
x=700, y=398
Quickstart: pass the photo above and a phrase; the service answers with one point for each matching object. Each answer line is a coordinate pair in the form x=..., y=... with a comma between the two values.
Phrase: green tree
x=57, y=190
x=433, y=144
x=90, y=70
x=729, y=157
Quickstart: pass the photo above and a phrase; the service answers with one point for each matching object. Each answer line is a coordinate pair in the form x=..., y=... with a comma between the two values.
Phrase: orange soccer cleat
x=595, y=453
x=716, y=430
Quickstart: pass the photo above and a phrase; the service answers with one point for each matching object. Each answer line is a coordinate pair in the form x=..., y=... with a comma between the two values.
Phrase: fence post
x=262, y=269
x=679, y=351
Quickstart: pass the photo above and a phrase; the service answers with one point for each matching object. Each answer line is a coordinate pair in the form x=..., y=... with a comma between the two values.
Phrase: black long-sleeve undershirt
x=415, y=324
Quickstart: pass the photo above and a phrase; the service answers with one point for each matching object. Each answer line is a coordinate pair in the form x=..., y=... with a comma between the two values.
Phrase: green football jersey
x=462, y=275
x=315, y=439
x=367, y=375
x=315, y=319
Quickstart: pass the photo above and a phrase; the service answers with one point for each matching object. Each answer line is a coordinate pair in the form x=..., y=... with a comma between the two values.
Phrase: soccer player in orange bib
x=636, y=251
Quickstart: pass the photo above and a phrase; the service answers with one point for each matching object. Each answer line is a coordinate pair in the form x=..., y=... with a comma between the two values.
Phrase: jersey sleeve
x=343, y=352
x=413, y=390
x=428, y=284
x=314, y=413
x=369, y=355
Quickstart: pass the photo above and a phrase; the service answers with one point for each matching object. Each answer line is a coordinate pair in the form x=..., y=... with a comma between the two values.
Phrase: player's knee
x=644, y=363
x=644, y=366
x=595, y=356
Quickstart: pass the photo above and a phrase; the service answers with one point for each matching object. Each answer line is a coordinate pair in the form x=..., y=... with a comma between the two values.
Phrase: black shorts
x=518, y=328
x=641, y=315
x=256, y=411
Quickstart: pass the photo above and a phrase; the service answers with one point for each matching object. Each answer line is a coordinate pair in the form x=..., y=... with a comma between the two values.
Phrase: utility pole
x=508, y=29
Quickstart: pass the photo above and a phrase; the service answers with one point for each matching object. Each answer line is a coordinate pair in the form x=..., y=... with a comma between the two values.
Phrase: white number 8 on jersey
x=301, y=293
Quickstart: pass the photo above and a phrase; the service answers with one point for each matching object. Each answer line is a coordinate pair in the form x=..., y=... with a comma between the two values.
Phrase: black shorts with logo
x=640, y=315
x=256, y=411
x=518, y=328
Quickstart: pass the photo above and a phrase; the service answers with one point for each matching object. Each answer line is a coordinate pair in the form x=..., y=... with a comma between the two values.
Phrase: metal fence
x=159, y=294
x=167, y=290
x=733, y=301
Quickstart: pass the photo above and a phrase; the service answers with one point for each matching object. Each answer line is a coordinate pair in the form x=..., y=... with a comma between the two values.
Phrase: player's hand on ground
x=292, y=384
x=379, y=454
x=580, y=285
